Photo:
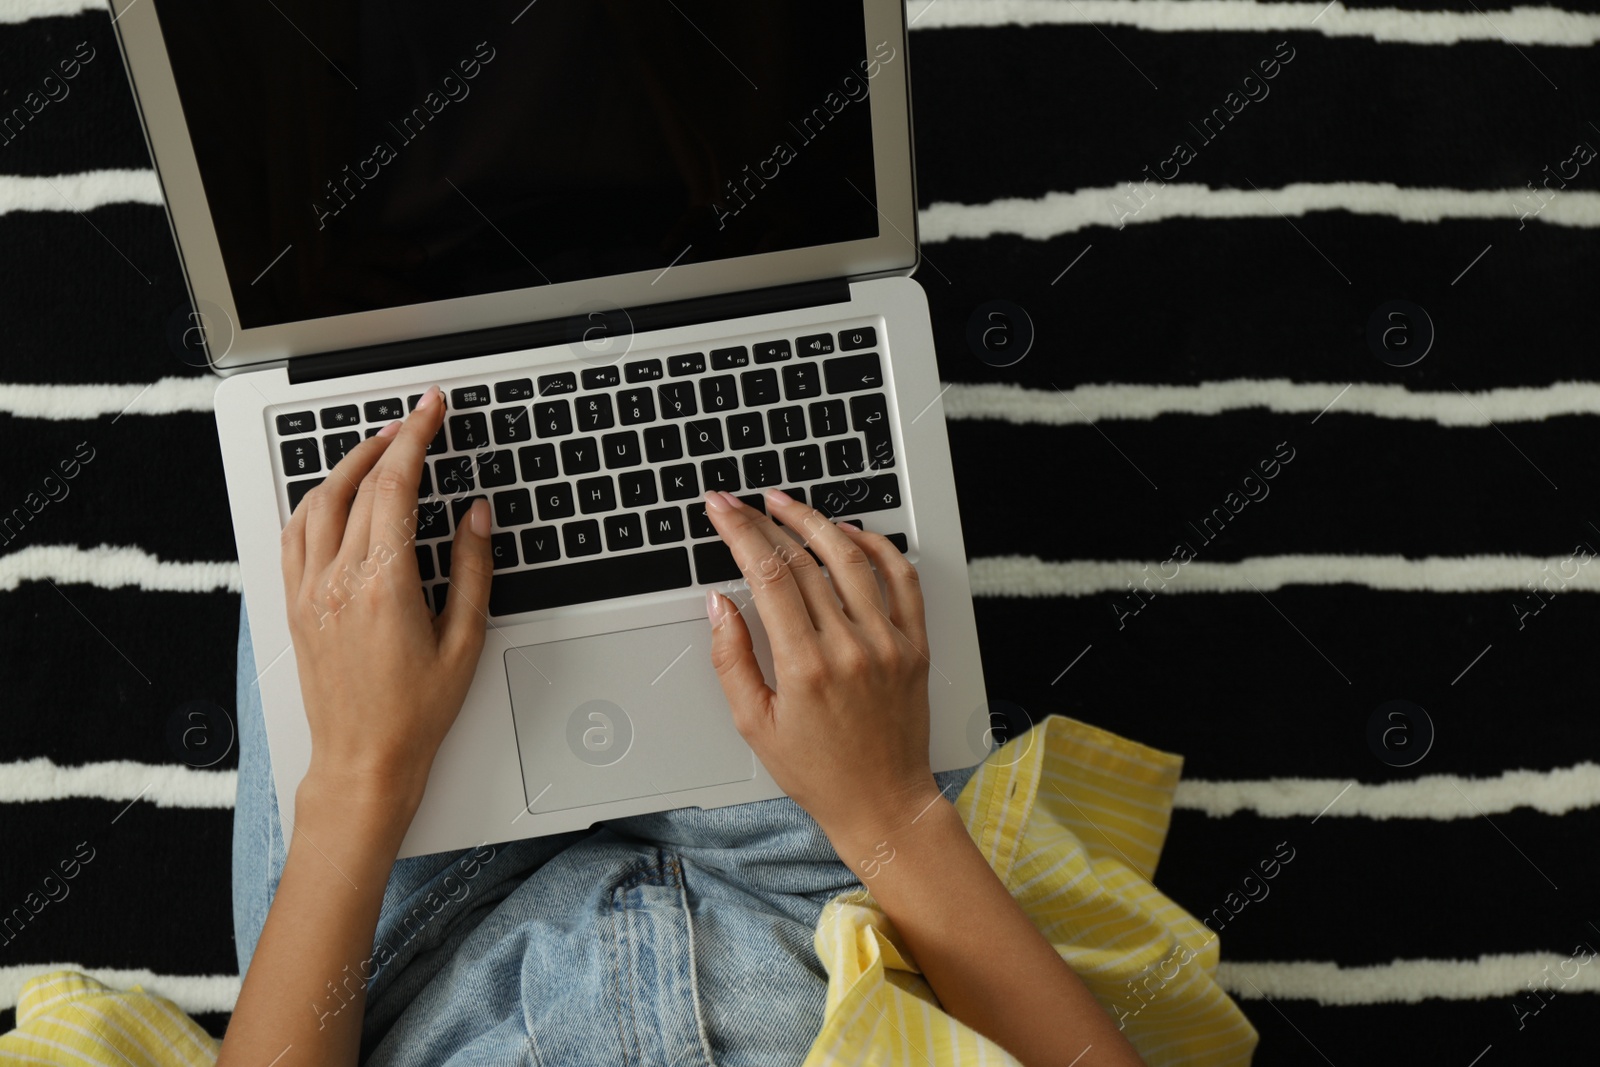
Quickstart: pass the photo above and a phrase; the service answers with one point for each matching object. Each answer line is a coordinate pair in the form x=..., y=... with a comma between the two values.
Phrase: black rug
x=1304, y=429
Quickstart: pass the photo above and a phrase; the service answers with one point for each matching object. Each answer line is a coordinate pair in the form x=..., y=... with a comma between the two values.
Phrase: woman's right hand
x=845, y=729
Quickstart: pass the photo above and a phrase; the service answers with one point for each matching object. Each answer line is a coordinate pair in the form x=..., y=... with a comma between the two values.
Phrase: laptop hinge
x=566, y=330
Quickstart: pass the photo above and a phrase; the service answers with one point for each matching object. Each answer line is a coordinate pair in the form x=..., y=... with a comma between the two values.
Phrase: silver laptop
x=646, y=250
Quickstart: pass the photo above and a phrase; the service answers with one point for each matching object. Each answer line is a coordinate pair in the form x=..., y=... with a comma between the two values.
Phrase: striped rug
x=1208, y=509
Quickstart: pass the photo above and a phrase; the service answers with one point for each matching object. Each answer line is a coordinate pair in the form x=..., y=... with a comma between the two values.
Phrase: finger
x=327, y=507
x=815, y=588
x=847, y=563
x=778, y=598
x=734, y=660
x=466, y=607
x=397, y=475
x=900, y=577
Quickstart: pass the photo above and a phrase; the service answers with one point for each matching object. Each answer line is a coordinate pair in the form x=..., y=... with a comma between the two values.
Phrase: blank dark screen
x=366, y=156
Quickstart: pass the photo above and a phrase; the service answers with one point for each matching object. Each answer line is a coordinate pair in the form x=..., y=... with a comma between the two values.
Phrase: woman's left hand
x=382, y=677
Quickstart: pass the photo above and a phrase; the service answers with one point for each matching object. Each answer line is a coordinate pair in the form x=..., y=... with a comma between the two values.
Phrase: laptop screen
x=357, y=157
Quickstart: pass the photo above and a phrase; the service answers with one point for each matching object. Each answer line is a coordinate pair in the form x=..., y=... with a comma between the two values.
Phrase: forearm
x=304, y=996
x=988, y=964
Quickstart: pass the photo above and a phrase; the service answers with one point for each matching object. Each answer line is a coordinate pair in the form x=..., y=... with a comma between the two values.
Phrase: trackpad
x=622, y=715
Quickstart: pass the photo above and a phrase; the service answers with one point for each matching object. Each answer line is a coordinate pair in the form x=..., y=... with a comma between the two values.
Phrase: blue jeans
x=677, y=938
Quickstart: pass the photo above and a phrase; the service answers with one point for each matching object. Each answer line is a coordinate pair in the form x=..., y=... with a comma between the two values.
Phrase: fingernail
x=716, y=500
x=733, y=502
x=478, y=516
x=778, y=496
x=389, y=430
x=713, y=607
x=429, y=398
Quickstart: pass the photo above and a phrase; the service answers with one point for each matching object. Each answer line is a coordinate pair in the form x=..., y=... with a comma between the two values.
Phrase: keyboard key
x=677, y=400
x=539, y=545
x=298, y=491
x=440, y=592
x=411, y=401
x=336, y=445
x=729, y=358
x=638, y=488
x=815, y=344
x=553, y=418
x=719, y=393
x=761, y=470
x=513, y=391
x=827, y=418
x=860, y=337
x=679, y=482
x=804, y=463
x=425, y=484
x=537, y=462
x=300, y=456
x=756, y=501
x=425, y=562
x=857, y=495
x=665, y=525
x=693, y=363
x=459, y=508
x=760, y=387
x=594, y=413
x=469, y=396
x=705, y=436
x=431, y=520
x=558, y=384
x=699, y=525
x=601, y=579
x=621, y=449
x=469, y=432
x=600, y=377
x=722, y=473
x=849, y=374
x=511, y=425
x=662, y=443
x=298, y=422
x=786, y=424
x=596, y=495
x=623, y=532
x=869, y=413
x=800, y=382
x=444, y=548
x=496, y=469
x=454, y=475
x=514, y=507
x=772, y=351
x=645, y=370
x=581, y=538
x=744, y=430
x=713, y=563
x=635, y=405
x=844, y=456
x=384, y=410
x=503, y=547
x=581, y=455
x=555, y=501
x=898, y=540
x=340, y=417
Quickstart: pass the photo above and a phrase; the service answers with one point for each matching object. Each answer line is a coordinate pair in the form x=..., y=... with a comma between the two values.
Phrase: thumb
x=735, y=663
x=466, y=607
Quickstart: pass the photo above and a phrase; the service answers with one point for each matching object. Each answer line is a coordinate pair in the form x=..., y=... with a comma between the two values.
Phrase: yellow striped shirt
x=1072, y=819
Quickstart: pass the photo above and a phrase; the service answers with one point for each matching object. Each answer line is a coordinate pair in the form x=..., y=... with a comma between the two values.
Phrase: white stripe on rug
x=109, y=567
x=1518, y=25
x=1030, y=576
x=999, y=401
x=79, y=192
x=1434, y=796
x=1060, y=213
x=164, y=785
x=191, y=992
x=1093, y=402
x=63, y=402
x=1410, y=981
x=23, y=10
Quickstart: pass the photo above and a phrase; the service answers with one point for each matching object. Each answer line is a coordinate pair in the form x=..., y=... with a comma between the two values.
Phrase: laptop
x=646, y=250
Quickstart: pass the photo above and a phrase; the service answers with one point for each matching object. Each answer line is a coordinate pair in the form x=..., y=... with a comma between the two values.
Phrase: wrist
x=864, y=843
x=376, y=808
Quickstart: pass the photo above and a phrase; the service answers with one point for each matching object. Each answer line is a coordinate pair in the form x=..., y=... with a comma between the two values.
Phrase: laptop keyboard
x=595, y=476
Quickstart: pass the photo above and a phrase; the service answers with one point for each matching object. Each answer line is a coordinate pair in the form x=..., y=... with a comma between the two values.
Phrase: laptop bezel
x=231, y=347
